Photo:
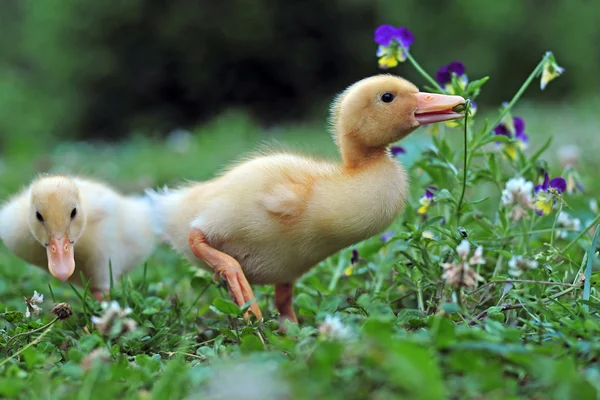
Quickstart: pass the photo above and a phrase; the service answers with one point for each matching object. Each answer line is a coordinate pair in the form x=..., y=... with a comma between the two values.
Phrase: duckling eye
x=74, y=213
x=39, y=217
x=387, y=97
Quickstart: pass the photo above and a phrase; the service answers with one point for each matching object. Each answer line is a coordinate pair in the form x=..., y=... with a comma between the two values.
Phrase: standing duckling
x=270, y=219
x=65, y=224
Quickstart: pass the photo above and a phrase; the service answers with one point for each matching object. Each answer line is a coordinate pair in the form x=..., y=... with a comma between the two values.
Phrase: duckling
x=64, y=223
x=270, y=219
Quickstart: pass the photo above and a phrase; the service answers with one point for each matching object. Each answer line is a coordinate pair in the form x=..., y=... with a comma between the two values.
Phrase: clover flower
x=114, y=322
x=334, y=329
x=567, y=224
x=593, y=204
x=62, y=311
x=550, y=70
x=353, y=260
x=445, y=74
x=32, y=304
x=546, y=194
x=391, y=42
x=519, y=264
x=514, y=128
x=517, y=196
x=460, y=274
x=426, y=200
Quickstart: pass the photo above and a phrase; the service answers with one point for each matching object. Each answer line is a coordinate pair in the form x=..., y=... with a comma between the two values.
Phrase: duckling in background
x=271, y=218
x=66, y=223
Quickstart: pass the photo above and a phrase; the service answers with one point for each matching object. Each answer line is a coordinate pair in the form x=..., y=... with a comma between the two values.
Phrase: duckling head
x=382, y=109
x=56, y=221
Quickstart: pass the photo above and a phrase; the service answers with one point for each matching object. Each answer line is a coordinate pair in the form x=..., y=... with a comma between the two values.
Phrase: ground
x=368, y=334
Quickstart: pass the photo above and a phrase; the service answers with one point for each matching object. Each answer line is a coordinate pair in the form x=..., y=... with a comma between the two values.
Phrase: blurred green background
x=237, y=71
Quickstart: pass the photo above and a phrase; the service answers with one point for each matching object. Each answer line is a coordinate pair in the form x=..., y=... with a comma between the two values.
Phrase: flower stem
x=583, y=232
x=33, y=342
x=421, y=71
x=554, y=225
x=31, y=332
x=588, y=269
x=518, y=95
x=465, y=165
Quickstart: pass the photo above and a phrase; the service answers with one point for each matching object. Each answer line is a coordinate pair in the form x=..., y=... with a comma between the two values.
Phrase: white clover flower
x=113, y=313
x=460, y=273
x=334, y=329
x=518, y=197
x=568, y=224
x=519, y=264
x=594, y=206
x=32, y=304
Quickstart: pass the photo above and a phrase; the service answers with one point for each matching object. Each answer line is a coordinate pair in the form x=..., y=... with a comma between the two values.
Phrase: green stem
x=517, y=96
x=465, y=165
x=337, y=274
x=554, y=224
x=33, y=342
x=588, y=270
x=31, y=332
x=583, y=232
x=421, y=70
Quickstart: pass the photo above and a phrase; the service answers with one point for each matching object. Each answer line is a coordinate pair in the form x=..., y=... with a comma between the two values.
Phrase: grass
x=401, y=334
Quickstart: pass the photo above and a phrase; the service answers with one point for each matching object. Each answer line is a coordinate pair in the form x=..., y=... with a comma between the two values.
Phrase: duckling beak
x=432, y=107
x=61, y=259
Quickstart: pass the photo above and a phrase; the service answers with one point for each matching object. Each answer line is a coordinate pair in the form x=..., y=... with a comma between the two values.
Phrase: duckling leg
x=283, y=303
x=227, y=267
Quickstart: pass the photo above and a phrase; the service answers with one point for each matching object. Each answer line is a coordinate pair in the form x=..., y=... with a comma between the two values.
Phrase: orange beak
x=61, y=259
x=433, y=108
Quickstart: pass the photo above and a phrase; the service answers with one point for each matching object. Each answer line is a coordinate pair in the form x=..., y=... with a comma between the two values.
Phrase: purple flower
x=354, y=258
x=517, y=131
x=387, y=236
x=392, y=45
x=546, y=194
x=444, y=74
x=426, y=200
x=385, y=34
x=397, y=150
x=514, y=128
x=558, y=183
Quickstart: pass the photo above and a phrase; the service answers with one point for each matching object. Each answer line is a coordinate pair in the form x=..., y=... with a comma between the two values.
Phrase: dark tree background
x=104, y=69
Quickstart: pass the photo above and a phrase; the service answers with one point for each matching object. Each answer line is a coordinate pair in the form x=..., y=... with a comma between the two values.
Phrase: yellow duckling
x=65, y=223
x=270, y=219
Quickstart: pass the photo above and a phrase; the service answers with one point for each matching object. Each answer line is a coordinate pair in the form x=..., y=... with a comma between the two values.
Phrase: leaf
x=450, y=308
x=444, y=195
x=474, y=86
x=251, y=344
x=493, y=138
x=307, y=303
x=506, y=254
x=13, y=316
x=226, y=307
x=591, y=256
x=198, y=283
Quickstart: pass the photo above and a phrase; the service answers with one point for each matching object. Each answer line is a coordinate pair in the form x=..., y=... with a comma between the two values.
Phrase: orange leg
x=227, y=267
x=283, y=303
